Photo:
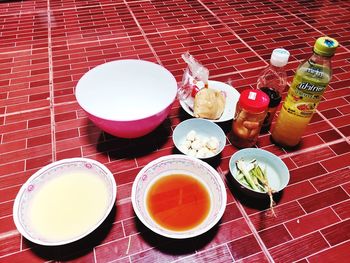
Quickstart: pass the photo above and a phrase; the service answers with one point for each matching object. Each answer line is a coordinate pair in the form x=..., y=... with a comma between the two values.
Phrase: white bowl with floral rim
x=179, y=164
x=49, y=175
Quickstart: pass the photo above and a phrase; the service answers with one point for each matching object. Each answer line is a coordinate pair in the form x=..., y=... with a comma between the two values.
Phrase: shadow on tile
x=175, y=246
x=120, y=148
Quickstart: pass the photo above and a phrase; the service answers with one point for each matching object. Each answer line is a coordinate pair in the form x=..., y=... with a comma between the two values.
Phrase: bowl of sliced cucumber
x=259, y=172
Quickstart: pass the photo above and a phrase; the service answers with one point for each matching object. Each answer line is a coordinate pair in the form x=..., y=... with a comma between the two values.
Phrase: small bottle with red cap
x=250, y=113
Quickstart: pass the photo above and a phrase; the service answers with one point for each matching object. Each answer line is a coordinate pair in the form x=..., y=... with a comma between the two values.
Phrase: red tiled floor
x=311, y=222
x=47, y=45
x=296, y=249
x=335, y=254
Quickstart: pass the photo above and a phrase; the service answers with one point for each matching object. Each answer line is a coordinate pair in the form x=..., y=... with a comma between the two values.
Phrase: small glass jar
x=250, y=113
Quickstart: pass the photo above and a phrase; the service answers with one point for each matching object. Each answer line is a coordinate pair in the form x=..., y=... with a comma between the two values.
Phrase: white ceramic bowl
x=56, y=174
x=182, y=164
x=127, y=98
x=204, y=129
x=277, y=171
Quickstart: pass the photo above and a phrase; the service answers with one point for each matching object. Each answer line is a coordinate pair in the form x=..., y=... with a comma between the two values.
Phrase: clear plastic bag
x=194, y=78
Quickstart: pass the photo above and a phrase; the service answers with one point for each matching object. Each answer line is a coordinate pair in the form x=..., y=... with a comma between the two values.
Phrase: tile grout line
x=312, y=148
x=142, y=32
x=232, y=31
x=333, y=126
x=254, y=231
x=308, y=24
x=51, y=89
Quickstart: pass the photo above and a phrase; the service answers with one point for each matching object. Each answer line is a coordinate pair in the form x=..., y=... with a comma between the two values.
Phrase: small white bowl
x=277, y=171
x=54, y=182
x=204, y=129
x=175, y=164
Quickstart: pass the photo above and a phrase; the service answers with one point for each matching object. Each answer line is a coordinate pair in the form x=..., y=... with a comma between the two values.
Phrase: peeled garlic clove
x=213, y=143
x=203, y=152
x=187, y=144
x=196, y=145
x=191, y=136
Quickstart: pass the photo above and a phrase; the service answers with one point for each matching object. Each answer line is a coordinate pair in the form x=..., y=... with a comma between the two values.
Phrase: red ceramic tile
x=269, y=235
x=331, y=113
x=63, y=135
x=9, y=168
x=126, y=176
x=296, y=191
x=220, y=254
x=334, y=254
x=244, y=247
x=10, y=243
x=71, y=153
x=124, y=211
x=329, y=136
x=345, y=130
x=36, y=141
x=316, y=127
x=296, y=249
x=119, y=248
x=337, y=162
x=337, y=233
x=332, y=179
x=24, y=31
x=284, y=212
x=9, y=193
x=311, y=222
x=306, y=172
x=313, y=156
x=343, y=209
x=15, y=7
x=33, y=152
x=231, y=213
x=259, y=257
x=331, y=94
x=340, y=148
x=23, y=256
x=345, y=109
x=323, y=199
x=39, y=122
x=229, y=231
x=331, y=104
x=6, y=208
x=221, y=48
x=340, y=121
x=346, y=187
x=171, y=15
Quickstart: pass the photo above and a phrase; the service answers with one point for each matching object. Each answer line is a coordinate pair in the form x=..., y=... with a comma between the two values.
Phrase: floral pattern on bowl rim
x=38, y=179
x=178, y=163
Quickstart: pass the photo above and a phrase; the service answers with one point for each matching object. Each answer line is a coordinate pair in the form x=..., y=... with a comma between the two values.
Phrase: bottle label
x=303, y=98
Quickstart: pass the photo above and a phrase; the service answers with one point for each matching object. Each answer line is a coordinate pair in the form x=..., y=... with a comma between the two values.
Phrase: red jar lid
x=254, y=100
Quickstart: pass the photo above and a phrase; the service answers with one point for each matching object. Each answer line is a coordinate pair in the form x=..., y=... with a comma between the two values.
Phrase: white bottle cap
x=279, y=57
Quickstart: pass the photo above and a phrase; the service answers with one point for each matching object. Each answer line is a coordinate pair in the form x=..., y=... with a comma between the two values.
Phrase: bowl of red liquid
x=178, y=196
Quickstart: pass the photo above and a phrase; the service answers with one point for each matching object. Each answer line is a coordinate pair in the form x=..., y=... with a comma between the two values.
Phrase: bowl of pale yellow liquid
x=64, y=201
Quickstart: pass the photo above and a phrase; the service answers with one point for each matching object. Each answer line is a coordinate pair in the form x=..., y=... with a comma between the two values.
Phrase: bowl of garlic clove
x=199, y=138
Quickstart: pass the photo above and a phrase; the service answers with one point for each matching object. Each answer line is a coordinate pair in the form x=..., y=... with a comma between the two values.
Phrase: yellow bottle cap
x=325, y=46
